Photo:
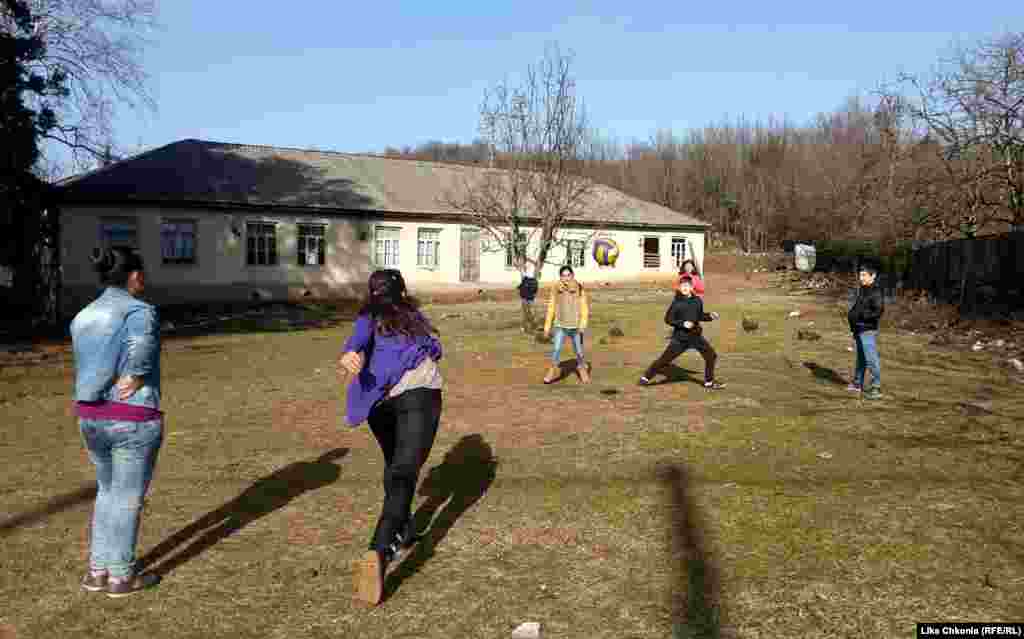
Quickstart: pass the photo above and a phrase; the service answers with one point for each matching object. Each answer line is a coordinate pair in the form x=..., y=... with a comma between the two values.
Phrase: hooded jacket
x=568, y=306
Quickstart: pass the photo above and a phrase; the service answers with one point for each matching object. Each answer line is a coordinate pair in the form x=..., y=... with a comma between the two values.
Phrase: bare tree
x=97, y=45
x=973, y=105
x=538, y=136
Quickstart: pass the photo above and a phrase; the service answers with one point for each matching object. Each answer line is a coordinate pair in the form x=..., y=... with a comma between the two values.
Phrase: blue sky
x=360, y=76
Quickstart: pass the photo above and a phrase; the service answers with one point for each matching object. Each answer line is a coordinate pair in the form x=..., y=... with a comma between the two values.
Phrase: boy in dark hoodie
x=684, y=316
x=865, y=312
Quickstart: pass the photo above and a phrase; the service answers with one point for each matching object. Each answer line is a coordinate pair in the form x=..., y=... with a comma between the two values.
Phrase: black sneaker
x=125, y=588
x=713, y=385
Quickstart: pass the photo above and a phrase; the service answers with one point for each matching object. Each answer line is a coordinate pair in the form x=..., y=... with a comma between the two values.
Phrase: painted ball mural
x=606, y=251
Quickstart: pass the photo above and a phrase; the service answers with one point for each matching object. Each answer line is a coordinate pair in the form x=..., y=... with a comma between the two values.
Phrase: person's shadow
x=675, y=374
x=825, y=374
x=262, y=498
x=456, y=483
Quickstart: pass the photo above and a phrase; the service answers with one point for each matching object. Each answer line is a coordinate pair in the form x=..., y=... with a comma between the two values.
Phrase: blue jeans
x=124, y=454
x=559, y=339
x=866, y=344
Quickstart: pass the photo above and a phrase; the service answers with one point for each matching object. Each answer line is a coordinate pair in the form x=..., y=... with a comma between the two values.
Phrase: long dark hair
x=391, y=306
x=115, y=265
x=682, y=267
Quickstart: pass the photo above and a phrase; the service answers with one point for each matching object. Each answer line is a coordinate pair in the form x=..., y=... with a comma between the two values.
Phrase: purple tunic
x=386, y=359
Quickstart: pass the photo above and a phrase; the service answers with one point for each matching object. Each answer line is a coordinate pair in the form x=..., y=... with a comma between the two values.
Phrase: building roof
x=197, y=172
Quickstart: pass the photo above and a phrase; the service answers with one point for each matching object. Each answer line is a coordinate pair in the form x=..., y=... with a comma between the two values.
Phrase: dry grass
x=796, y=509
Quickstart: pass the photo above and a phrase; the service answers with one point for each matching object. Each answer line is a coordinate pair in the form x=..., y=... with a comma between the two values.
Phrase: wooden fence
x=972, y=272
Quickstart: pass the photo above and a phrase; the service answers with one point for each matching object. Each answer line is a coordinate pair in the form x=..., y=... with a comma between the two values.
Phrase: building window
x=178, y=241
x=428, y=248
x=119, y=233
x=516, y=250
x=311, y=245
x=262, y=243
x=652, y=255
x=678, y=251
x=386, y=246
x=576, y=253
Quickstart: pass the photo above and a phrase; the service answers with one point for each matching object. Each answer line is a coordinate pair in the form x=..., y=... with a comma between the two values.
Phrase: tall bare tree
x=538, y=136
x=97, y=46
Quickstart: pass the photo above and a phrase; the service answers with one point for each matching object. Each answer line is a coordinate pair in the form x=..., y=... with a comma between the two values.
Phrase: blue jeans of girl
x=559, y=338
x=124, y=454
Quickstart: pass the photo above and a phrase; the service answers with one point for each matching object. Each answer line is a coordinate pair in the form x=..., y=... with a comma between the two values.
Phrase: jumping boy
x=864, y=315
x=685, y=315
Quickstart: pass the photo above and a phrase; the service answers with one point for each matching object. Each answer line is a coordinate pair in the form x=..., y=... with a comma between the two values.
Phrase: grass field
x=782, y=506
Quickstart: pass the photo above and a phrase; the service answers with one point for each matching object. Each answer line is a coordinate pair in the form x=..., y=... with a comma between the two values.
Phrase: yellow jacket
x=558, y=289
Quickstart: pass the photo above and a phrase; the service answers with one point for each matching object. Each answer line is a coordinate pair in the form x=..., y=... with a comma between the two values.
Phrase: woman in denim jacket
x=116, y=342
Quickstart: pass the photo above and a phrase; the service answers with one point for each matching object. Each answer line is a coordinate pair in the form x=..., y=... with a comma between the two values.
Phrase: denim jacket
x=116, y=335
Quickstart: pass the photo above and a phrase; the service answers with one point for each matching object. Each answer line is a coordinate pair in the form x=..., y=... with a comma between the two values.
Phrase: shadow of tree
x=464, y=476
x=262, y=498
x=55, y=505
x=696, y=604
x=825, y=374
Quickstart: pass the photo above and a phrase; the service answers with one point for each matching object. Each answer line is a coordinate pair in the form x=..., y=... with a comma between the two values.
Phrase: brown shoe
x=128, y=587
x=552, y=374
x=94, y=583
x=369, y=578
x=584, y=372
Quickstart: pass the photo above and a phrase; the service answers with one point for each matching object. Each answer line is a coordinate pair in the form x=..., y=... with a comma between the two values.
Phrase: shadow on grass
x=184, y=321
x=565, y=369
x=696, y=602
x=55, y=505
x=673, y=374
x=825, y=374
x=262, y=498
x=457, y=483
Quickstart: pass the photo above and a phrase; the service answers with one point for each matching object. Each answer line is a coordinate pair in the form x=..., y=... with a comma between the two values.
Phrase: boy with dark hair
x=685, y=315
x=865, y=312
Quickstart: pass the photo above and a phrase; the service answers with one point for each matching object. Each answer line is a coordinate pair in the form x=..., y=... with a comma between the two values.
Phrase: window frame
x=523, y=240
x=164, y=260
x=581, y=252
x=678, y=260
x=397, y=240
x=421, y=243
x=106, y=221
x=302, y=239
x=249, y=235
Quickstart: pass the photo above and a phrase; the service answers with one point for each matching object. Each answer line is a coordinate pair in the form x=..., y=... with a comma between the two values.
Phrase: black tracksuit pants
x=679, y=345
x=405, y=427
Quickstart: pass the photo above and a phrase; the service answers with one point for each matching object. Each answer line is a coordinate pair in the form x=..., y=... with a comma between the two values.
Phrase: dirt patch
x=7, y=631
x=318, y=421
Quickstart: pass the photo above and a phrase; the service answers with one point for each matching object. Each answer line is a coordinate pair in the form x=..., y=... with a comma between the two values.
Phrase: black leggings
x=678, y=347
x=405, y=427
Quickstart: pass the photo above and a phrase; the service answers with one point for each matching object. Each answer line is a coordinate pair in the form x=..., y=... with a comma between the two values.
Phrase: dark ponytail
x=395, y=311
x=115, y=265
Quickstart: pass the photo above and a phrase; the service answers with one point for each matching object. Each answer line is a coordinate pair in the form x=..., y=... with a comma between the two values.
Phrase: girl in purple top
x=396, y=387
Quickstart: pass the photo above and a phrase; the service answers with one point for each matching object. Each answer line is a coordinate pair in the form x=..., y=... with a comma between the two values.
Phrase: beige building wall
x=221, y=274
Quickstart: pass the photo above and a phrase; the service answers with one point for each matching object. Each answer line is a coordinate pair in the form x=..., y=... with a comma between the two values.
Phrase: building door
x=469, y=252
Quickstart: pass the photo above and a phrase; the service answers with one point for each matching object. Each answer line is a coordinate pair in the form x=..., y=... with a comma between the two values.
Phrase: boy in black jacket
x=684, y=316
x=865, y=312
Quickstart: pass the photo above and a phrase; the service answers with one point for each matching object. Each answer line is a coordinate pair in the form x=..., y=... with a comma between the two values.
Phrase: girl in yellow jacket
x=568, y=311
